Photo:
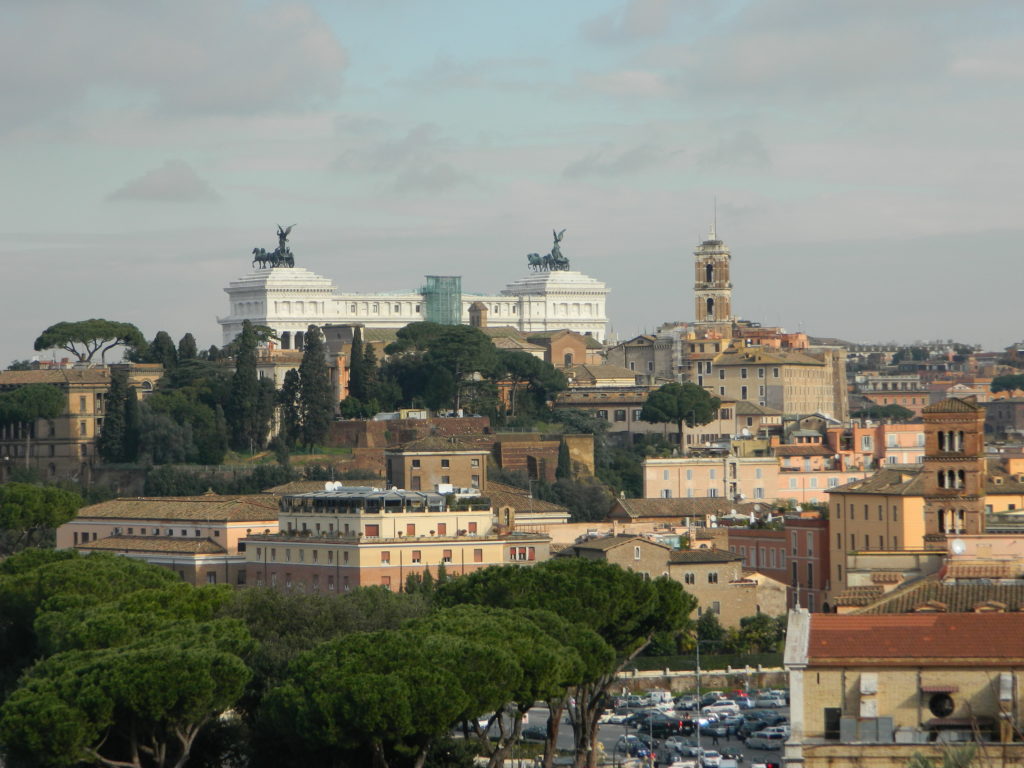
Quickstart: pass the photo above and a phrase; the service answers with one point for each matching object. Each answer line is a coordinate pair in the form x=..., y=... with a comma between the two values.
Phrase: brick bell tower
x=712, y=288
x=954, y=470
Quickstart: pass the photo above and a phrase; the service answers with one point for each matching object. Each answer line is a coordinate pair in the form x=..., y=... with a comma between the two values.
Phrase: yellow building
x=729, y=477
x=431, y=463
x=872, y=690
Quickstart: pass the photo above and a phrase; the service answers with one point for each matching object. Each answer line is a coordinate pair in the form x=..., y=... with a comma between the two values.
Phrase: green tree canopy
x=187, y=348
x=162, y=350
x=678, y=404
x=316, y=398
x=30, y=402
x=85, y=338
x=1007, y=382
x=896, y=413
x=25, y=510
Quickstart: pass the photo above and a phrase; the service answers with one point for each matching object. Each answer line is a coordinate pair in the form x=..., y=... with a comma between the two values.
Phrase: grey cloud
x=173, y=182
x=417, y=161
x=189, y=57
x=740, y=150
x=638, y=20
x=606, y=163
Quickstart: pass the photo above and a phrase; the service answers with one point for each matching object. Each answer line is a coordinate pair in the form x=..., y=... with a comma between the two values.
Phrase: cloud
x=418, y=160
x=603, y=162
x=628, y=82
x=188, y=57
x=638, y=20
x=740, y=150
x=173, y=182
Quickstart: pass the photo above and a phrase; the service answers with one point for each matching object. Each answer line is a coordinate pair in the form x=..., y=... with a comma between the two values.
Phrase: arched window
x=709, y=273
x=942, y=440
x=711, y=308
x=567, y=359
x=299, y=335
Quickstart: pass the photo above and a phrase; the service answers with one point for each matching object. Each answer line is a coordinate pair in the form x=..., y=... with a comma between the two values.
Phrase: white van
x=656, y=697
x=766, y=740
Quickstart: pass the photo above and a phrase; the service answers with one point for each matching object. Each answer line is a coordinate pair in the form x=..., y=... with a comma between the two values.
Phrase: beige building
x=799, y=382
x=872, y=690
x=63, y=448
x=197, y=537
x=715, y=577
x=431, y=463
x=336, y=540
x=729, y=477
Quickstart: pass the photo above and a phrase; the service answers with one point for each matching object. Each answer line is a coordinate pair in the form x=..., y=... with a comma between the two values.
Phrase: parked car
x=765, y=740
x=771, y=717
x=723, y=707
x=711, y=697
x=534, y=733
x=783, y=729
x=770, y=701
x=632, y=746
x=687, y=702
x=710, y=758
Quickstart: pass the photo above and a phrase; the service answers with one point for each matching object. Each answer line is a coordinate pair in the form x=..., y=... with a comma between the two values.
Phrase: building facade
x=289, y=300
x=728, y=476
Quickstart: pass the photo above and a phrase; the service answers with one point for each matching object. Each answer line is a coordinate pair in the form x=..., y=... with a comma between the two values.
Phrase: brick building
x=431, y=463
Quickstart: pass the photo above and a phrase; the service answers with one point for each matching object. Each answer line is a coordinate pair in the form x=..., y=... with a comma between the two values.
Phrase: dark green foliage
x=246, y=411
x=85, y=338
x=20, y=365
x=532, y=383
x=356, y=367
x=288, y=400
x=316, y=400
x=132, y=426
x=1007, y=382
x=29, y=511
x=680, y=403
x=175, y=481
x=30, y=402
x=711, y=632
x=564, y=469
x=187, y=348
x=910, y=354
x=893, y=413
x=111, y=442
x=586, y=498
x=162, y=350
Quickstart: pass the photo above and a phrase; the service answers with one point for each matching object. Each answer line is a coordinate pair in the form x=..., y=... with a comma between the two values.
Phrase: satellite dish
x=745, y=432
x=328, y=486
x=958, y=546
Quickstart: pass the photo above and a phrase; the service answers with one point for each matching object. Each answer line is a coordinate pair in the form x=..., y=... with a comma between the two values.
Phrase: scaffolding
x=442, y=299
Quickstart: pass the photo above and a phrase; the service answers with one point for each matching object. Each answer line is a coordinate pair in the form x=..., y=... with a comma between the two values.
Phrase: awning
x=940, y=688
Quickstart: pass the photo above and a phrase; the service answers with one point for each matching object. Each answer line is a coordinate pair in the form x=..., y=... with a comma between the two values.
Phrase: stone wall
x=386, y=434
x=713, y=679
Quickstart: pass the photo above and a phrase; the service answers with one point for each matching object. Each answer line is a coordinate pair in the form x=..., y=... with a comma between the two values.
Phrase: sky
x=863, y=158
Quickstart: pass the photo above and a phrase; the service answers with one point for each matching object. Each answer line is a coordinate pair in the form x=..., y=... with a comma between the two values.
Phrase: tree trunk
x=555, y=708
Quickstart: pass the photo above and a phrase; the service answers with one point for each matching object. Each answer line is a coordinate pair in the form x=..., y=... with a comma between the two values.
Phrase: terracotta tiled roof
x=154, y=544
x=1004, y=570
x=802, y=449
x=678, y=556
x=438, y=444
x=905, y=481
x=958, y=598
x=679, y=508
x=948, y=637
x=610, y=542
x=886, y=577
x=208, y=508
x=296, y=486
x=55, y=376
x=502, y=495
x=859, y=595
x=952, y=405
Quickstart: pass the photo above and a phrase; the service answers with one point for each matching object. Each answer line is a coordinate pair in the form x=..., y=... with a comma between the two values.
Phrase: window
x=330, y=583
x=743, y=393
x=417, y=556
x=410, y=529
x=445, y=463
x=240, y=578
x=759, y=493
x=273, y=555
x=442, y=529
x=471, y=526
x=372, y=529
x=446, y=556
x=415, y=463
x=713, y=577
x=478, y=555
x=721, y=374
x=474, y=462
x=211, y=577
x=689, y=578
x=716, y=607
x=636, y=553
x=620, y=414
x=81, y=404
x=666, y=493
x=760, y=373
x=82, y=429
x=712, y=493
x=839, y=573
x=385, y=581
x=775, y=373
x=385, y=558
x=743, y=373
x=416, y=482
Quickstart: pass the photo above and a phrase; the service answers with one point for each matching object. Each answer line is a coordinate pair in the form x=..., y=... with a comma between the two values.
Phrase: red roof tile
x=949, y=636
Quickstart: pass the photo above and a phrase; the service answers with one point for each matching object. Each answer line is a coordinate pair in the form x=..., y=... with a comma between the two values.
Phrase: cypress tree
x=357, y=368
x=316, y=409
x=370, y=373
x=564, y=468
x=244, y=402
x=187, y=348
x=288, y=398
x=112, y=437
x=162, y=350
x=132, y=426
